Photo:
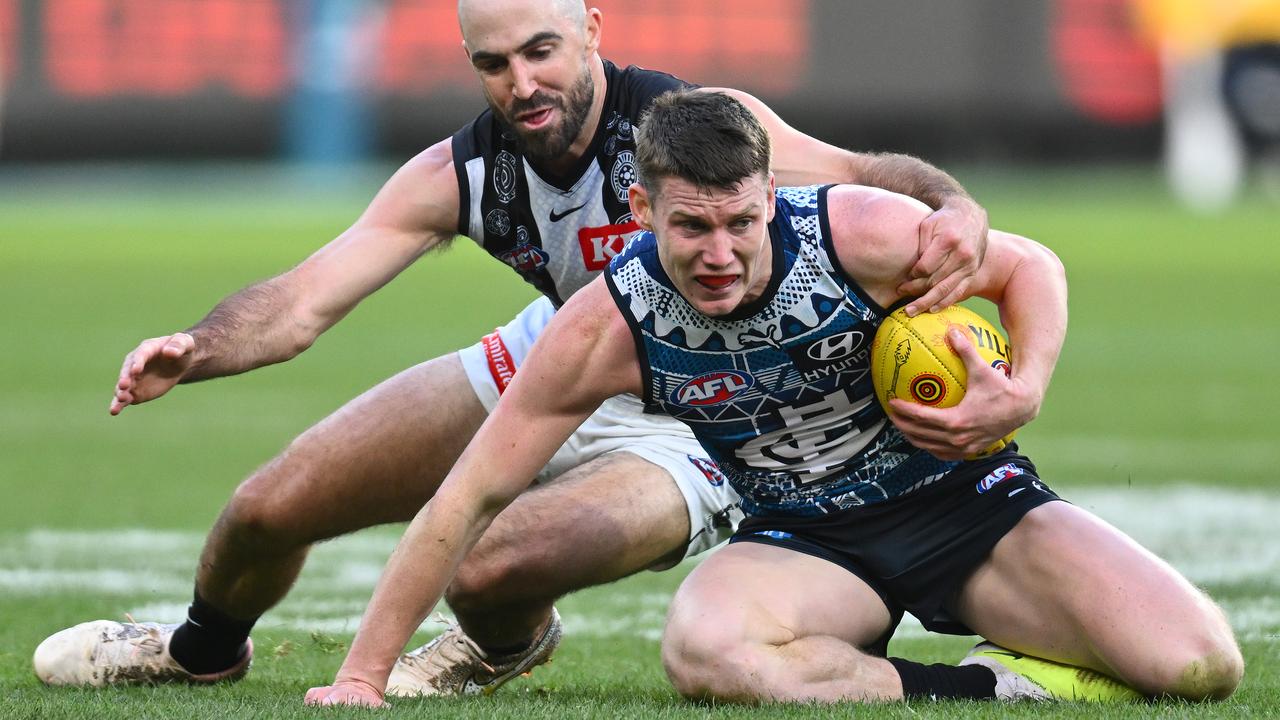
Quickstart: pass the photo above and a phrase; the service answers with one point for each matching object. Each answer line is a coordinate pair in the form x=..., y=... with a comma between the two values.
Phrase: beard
x=551, y=143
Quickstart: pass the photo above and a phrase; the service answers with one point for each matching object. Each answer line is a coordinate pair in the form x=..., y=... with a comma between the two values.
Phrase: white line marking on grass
x=40, y=581
x=1225, y=539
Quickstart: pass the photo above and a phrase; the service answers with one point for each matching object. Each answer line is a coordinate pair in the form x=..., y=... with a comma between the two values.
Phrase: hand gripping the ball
x=993, y=407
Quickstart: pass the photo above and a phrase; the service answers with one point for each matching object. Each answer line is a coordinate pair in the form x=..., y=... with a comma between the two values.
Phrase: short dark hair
x=706, y=138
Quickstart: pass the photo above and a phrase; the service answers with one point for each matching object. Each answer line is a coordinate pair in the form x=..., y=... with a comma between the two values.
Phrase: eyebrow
x=481, y=56
x=752, y=209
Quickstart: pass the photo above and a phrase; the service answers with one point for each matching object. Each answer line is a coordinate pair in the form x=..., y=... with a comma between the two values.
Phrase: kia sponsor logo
x=835, y=347
x=600, y=244
x=712, y=388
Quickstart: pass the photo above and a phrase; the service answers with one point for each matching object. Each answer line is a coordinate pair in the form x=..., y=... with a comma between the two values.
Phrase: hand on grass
x=346, y=692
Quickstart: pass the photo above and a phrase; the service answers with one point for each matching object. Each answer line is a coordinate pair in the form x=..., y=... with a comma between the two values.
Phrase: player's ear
x=641, y=207
x=773, y=199
x=594, y=26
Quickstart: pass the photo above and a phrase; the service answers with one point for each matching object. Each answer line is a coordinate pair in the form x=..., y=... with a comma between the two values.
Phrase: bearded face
x=570, y=108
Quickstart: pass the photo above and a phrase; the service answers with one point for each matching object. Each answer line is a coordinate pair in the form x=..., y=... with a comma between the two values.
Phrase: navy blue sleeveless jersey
x=558, y=233
x=779, y=393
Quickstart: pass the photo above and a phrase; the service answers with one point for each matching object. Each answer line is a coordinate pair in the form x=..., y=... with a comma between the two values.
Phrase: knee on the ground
x=705, y=662
x=1211, y=674
x=1205, y=666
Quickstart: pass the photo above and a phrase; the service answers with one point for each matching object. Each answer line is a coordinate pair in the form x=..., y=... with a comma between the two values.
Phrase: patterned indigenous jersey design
x=779, y=393
x=557, y=233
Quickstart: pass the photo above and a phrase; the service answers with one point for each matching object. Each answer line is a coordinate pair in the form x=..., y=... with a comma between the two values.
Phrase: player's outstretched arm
x=274, y=320
x=585, y=355
x=873, y=233
x=952, y=240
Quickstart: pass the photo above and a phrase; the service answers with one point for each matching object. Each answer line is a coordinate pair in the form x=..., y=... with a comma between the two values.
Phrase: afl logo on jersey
x=504, y=176
x=712, y=388
x=525, y=258
x=835, y=347
x=709, y=469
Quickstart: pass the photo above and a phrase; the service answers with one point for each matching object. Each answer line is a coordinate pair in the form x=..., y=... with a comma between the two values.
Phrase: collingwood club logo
x=504, y=177
x=623, y=174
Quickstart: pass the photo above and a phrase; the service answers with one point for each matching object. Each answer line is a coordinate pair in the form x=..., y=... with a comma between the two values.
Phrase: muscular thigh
x=766, y=594
x=1065, y=585
x=606, y=519
x=381, y=456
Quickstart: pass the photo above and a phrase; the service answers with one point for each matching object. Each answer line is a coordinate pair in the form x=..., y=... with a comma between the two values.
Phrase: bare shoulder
x=876, y=236
x=421, y=197
x=592, y=323
x=591, y=344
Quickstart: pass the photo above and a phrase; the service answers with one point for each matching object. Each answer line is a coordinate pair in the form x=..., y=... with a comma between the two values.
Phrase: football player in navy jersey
x=540, y=180
x=853, y=519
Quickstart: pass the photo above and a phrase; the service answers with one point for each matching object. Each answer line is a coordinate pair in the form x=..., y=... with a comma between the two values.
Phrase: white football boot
x=103, y=652
x=452, y=664
x=1023, y=677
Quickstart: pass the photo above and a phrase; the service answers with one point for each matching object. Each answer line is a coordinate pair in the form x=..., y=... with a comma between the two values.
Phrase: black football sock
x=944, y=682
x=209, y=641
x=506, y=651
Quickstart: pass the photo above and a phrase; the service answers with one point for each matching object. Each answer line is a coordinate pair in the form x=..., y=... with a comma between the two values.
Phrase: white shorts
x=620, y=425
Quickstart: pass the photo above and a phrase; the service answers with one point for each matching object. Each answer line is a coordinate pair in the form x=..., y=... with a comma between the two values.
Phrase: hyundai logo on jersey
x=712, y=388
x=835, y=347
x=1000, y=474
x=829, y=355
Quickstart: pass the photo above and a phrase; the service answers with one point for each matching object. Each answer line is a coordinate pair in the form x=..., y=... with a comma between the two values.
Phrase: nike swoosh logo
x=557, y=217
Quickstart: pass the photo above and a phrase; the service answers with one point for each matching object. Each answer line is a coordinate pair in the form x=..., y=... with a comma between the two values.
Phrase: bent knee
x=267, y=507
x=706, y=662
x=486, y=581
x=1203, y=666
x=1212, y=675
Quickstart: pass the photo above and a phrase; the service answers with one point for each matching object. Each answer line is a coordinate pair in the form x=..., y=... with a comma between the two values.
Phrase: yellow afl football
x=911, y=360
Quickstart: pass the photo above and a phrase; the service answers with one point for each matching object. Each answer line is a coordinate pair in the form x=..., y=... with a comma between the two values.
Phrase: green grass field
x=1162, y=418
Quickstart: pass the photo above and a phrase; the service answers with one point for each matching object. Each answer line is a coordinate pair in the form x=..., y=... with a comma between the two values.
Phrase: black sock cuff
x=203, y=615
x=210, y=640
x=939, y=682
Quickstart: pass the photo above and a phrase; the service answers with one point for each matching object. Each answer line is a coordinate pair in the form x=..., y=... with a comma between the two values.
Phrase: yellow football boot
x=1023, y=677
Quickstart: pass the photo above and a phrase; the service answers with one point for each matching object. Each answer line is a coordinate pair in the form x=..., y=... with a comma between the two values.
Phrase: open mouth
x=716, y=282
x=534, y=119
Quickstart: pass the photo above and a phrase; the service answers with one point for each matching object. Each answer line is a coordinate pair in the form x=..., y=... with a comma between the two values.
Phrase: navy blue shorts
x=918, y=550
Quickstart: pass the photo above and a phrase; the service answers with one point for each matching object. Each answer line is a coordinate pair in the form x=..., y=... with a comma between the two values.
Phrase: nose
x=718, y=252
x=523, y=85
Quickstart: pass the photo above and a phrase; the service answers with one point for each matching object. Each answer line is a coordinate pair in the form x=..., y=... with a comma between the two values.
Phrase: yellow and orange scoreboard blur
x=1189, y=27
